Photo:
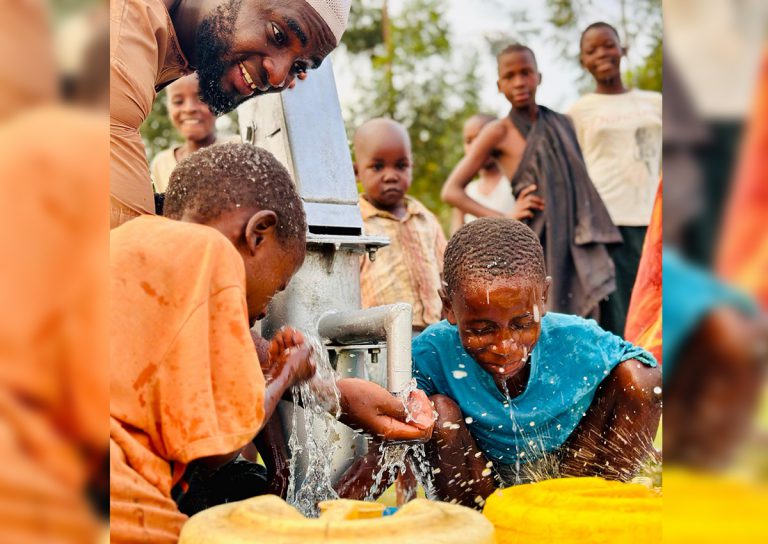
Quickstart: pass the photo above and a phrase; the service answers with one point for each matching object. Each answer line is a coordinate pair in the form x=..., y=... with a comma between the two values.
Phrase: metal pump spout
x=305, y=130
x=390, y=323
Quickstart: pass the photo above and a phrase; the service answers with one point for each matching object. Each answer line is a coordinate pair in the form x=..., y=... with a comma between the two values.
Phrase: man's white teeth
x=247, y=77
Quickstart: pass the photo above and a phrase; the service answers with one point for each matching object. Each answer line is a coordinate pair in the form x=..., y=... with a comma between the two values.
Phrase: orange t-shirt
x=185, y=378
x=742, y=256
x=144, y=56
x=53, y=344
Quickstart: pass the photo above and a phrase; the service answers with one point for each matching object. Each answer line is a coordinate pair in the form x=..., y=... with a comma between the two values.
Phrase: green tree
x=649, y=75
x=157, y=131
x=415, y=78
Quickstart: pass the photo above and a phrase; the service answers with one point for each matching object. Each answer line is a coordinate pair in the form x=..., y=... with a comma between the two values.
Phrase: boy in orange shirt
x=187, y=389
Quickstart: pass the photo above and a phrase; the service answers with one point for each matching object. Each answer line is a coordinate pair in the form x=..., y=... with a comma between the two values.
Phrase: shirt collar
x=412, y=208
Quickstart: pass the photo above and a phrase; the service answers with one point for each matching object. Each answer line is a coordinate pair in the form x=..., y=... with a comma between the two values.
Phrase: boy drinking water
x=537, y=147
x=409, y=268
x=188, y=390
x=521, y=393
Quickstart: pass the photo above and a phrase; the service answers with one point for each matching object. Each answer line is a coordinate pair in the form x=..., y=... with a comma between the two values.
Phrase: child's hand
x=289, y=354
x=371, y=408
x=421, y=411
x=527, y=203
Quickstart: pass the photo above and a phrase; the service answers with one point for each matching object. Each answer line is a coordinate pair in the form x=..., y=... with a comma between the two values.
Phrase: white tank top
x=500, y=200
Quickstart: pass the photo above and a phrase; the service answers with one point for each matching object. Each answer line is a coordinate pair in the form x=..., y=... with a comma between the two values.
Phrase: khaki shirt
x=144, y=57
x=409, y=269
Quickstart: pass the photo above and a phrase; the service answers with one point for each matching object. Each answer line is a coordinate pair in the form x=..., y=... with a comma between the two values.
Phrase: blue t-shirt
x=690, y=294
x=573, y=355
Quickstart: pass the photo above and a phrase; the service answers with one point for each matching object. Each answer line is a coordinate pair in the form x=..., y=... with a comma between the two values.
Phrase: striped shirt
x=410, y=268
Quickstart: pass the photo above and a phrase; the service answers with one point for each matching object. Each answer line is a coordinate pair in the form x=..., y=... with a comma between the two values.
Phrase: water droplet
x=469, y=420
x=532, y=424
x=486, y=472
x=657, y=390
x=459, y=374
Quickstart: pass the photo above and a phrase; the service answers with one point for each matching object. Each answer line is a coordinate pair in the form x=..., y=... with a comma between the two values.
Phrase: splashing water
x=395, y=456
x=533, y=462
x=318, y=396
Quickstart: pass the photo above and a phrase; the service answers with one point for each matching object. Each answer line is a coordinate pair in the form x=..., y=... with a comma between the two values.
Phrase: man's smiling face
x=247, y=48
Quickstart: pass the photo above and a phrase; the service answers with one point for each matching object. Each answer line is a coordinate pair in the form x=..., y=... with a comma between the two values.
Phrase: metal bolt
x=375, y=355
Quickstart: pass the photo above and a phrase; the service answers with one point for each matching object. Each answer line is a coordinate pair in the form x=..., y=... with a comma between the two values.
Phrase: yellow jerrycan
x=270, y=520
x=575, y=510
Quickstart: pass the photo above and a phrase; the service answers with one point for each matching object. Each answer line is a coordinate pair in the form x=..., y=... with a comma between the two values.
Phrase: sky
x=472, y=20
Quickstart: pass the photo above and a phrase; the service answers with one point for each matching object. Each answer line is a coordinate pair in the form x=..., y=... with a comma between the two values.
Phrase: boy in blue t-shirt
x=522, y=394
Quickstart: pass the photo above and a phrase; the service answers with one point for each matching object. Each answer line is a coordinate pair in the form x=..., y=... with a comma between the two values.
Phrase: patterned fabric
x=410, y=268
x=644, y=318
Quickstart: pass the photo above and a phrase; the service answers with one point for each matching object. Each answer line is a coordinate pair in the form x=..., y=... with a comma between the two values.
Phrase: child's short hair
x=598, y=24
x=220, y=178
x=517, y=48
x=492, y=247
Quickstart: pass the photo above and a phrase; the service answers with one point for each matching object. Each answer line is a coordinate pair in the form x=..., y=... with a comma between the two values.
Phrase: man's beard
x=213, y=43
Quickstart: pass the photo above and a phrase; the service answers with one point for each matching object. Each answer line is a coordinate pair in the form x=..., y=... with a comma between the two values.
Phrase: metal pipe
x=391, y=323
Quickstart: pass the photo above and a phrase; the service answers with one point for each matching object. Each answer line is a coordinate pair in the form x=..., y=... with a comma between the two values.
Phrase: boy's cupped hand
x=371, y=408
x=289, y=353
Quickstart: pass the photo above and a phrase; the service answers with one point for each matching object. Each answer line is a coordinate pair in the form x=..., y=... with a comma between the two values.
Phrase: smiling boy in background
x=619, y=131
x=195, y=123
x=537, y=148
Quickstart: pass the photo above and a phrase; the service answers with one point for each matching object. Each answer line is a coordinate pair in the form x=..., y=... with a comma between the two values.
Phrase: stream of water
x=318, y=396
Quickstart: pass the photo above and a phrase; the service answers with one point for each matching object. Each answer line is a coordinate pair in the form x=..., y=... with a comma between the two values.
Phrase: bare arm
x=480, y=152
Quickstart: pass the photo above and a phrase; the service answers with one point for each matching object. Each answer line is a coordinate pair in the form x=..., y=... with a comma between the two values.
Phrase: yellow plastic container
x=575, y=510
x=702, y=508
x=270, y=520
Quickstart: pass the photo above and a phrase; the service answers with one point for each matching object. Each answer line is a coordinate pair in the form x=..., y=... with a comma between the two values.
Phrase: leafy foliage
x=418, y=80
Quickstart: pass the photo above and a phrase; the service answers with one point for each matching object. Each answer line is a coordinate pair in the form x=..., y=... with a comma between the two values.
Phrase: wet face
x=244, y=49
x=601, y=53
x=190, y=115
x=499, y=322
x=383, y=166
x=268, y=272
x=518, y=78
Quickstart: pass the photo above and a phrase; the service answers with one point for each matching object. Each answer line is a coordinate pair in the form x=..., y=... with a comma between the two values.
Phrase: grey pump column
x=304, y=129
